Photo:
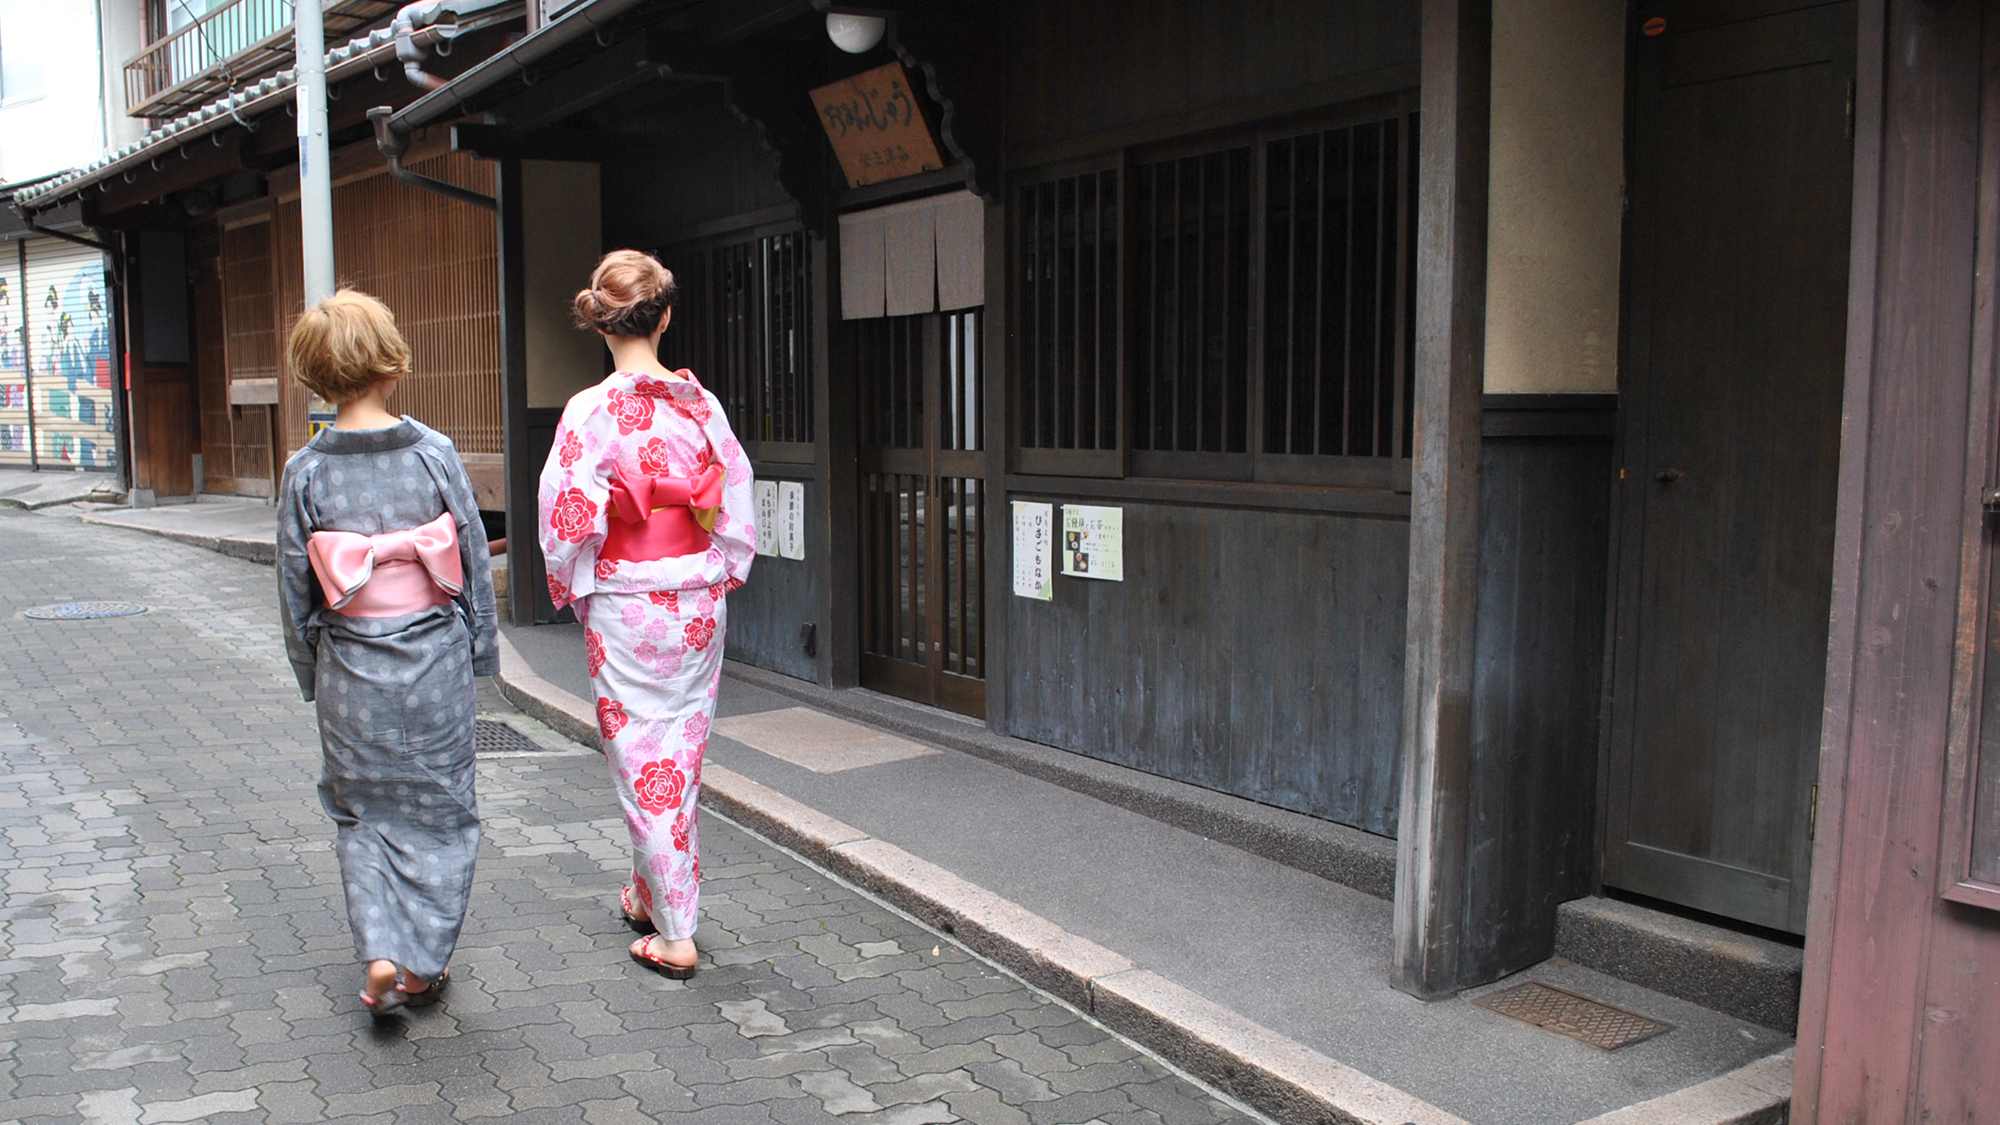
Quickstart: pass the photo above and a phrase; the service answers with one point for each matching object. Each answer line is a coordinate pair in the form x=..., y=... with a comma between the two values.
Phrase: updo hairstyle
x=629, y=292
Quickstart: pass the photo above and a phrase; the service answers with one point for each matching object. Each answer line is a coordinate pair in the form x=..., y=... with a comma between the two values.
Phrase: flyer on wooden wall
x=1034, y=550
x=1094, y=542
x=767, y=517
x=791, y=520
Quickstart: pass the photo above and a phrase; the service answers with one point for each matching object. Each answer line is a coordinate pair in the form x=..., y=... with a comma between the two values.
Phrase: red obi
x=388, y=575
x=661, y=517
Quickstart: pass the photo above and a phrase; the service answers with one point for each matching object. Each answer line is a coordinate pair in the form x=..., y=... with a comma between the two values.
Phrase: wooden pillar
x=1444, y=503
x=834, y=424
x=998, y=532
x=524, y=555
x=1900, y=1014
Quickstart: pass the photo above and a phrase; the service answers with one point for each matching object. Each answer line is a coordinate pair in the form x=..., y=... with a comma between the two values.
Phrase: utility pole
x=315, y=165
x=315, y=179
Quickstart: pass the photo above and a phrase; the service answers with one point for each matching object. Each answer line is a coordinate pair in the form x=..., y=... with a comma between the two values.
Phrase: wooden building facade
x=1556, y=436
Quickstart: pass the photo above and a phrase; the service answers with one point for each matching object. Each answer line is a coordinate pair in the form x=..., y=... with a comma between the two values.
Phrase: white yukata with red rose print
x=653, y=631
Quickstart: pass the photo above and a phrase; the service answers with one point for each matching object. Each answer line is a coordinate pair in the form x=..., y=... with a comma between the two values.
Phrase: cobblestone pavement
x=173, y=946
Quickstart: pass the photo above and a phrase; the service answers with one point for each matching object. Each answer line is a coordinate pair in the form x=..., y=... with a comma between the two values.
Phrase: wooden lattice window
x=1231, y=307
x=1067, y=323
x=1190, y=302
x=744, y=326
x=1338, y=334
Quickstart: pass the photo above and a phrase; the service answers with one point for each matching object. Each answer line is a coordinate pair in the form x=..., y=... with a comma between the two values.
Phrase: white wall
x=562, y=236
x=1557, y=196
x=63, y=127
x=123, y=26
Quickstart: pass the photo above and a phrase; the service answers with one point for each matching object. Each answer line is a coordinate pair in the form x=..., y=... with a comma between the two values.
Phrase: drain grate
x=1566, y=1013
x=83, y=611
x=493, y=737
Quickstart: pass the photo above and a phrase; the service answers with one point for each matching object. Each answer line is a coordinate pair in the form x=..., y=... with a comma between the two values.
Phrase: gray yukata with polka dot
x=394, y=694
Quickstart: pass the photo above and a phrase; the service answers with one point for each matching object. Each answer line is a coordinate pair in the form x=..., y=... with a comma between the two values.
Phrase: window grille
x=1068, y=323
x=1338, y=334
x=1235, y=308
x=744, y=325
x=1191, y=303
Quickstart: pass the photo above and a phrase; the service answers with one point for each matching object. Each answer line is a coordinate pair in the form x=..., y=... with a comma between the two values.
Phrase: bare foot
x=381, y=980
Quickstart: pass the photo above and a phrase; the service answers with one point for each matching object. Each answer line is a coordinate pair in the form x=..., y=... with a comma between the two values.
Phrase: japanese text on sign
x=767, y=517
x=791, y=520
x=875, y=126
x=1034, y=550
x=1093, y=542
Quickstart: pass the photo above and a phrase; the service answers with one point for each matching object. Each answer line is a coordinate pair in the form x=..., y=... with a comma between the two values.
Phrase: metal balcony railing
x=240, y=42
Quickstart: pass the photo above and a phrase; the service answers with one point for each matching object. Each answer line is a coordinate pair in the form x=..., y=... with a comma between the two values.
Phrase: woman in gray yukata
x=387, y=594
x=646, y=508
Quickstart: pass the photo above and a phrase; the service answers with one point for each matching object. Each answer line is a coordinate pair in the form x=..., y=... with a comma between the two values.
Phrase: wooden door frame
x=1631, y=451
x=1887, y=1036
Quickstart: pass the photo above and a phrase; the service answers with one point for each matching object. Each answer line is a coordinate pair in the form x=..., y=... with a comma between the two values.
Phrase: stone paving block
x=173, y=941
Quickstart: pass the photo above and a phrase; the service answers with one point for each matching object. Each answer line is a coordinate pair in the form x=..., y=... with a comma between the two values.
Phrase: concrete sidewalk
x=45, y=488
x=241, y=528
x=1264, y=979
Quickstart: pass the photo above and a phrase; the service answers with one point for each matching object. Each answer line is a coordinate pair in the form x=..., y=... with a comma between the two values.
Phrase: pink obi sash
x=388, y=575
x=661, y=517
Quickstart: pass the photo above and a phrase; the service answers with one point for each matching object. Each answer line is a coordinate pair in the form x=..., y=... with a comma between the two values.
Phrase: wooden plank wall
x=1086, y=69
x=1241, y=644
x=1538, y=664
x=1900, y=1019
x=782, y=594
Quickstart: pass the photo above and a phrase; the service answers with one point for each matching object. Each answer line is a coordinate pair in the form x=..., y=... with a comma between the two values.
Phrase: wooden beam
x=1444, y=502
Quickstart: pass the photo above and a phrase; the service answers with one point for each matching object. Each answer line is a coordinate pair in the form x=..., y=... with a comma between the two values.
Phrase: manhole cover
x=83, y=611
x=1566, y=1013
x=491, y=737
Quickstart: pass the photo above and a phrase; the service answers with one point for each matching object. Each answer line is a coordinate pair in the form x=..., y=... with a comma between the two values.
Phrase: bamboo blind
x=434, y=262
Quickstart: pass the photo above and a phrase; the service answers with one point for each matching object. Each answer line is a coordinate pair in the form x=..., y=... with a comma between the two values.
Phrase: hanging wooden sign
x=876, y=128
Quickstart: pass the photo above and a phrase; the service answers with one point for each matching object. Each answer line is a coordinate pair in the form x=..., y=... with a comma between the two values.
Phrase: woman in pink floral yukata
x=646, y=525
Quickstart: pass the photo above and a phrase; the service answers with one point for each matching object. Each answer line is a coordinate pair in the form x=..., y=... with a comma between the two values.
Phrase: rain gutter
x=453, y=99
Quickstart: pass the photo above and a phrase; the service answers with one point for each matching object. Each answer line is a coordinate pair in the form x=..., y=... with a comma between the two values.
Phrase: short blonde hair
x=346, y=344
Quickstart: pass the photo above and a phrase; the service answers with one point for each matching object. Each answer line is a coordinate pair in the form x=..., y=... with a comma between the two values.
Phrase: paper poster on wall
x=767, y=518
x=791, y=520
x=1093, y=543
x=1034, y=550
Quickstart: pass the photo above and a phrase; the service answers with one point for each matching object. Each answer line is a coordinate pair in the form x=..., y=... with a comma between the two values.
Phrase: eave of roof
x=362, y=53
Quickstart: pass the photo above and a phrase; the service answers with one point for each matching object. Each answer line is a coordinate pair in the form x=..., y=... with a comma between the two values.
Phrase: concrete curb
x=1757, y=1094
x=255, y=550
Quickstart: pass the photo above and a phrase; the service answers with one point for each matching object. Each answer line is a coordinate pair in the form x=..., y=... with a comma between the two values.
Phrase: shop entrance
x=1735, y=314
x=922, y=464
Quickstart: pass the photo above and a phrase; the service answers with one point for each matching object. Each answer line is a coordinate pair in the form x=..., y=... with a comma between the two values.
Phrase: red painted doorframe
x=1900, y=1018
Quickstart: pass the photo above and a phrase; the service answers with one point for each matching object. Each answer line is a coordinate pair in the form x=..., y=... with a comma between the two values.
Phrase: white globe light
x=855, y=34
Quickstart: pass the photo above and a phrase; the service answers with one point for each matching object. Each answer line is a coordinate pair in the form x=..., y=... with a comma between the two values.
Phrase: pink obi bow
x=391, y=574
x=662, y=517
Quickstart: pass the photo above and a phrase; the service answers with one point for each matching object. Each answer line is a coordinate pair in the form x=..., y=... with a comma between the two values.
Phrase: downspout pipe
x=452, y=99
x=425, y=13
x=394, y=144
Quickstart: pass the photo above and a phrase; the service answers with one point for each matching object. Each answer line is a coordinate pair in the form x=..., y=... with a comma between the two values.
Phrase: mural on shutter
x=68, y=321
x=14, y=424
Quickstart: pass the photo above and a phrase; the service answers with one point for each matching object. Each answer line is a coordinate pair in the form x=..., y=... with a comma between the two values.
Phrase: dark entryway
x=1735, y=315
x=922, y=454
